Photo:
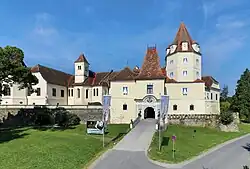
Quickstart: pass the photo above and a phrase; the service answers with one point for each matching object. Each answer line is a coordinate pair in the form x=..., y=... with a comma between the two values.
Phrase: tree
x=224, y=93
x=241, y=98
x=13, y=70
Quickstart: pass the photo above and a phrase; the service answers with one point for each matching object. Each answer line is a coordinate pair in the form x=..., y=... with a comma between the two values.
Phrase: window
x=72, y=91
x=29, y=91
x=197, y=61
x=125, y=90
x=94, y=92
x=197, y=74
x=7, y=91
x=175, y=107
x=216, y=96
x=171, y=62
x=207, y=95
x=211, y=96
x=184, y=46
x=149, y=89
x=54, y=92
x=191, y=107
x=87, y=93
x=38, y=91
x=185, y=60
x=171, y=74
x=125, y=107
x=62, y=93
x=69, y=92
x=79, y=67
x=78, y=93
x=97, y=92
x=184, y=73
x=184, y=91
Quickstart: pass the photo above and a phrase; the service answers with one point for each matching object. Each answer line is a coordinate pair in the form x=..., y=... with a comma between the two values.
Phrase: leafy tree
x=13, y=70
x=224, y=93
x=241, y=98
x=224, y=106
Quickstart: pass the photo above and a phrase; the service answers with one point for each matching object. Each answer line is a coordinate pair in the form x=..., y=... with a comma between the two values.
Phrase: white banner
x=106, y=103
x=164, y=106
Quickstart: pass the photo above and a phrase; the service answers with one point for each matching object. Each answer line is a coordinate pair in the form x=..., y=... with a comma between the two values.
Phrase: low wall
x=84, y=112
x=203, y=120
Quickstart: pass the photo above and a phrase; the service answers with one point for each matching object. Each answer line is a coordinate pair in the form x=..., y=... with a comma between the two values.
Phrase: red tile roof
x=151, y=68
x=82, y=58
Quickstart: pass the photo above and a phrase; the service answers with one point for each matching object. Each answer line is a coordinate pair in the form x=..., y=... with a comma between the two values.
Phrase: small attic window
x=184, y=46
x=79, y=67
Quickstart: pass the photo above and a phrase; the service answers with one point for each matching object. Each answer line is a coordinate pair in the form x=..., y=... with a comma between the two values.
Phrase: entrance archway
x=149, y=113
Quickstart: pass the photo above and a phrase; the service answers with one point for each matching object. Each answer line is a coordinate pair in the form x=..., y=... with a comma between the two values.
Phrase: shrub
x=44, y=116
x=65, y=118
x=226, y=117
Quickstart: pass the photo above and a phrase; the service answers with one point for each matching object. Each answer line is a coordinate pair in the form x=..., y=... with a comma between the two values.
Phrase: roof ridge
x=53, y=69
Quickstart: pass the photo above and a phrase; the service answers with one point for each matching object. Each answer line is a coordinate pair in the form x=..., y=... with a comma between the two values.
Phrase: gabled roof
x=209, y=80
x=151, y=68
x=82, y=58
x=52, y=76
x=124, y=74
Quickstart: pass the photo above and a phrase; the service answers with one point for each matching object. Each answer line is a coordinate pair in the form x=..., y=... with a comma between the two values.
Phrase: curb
x=182, y=164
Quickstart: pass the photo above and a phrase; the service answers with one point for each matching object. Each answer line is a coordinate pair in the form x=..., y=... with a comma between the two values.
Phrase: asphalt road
x=130, y=153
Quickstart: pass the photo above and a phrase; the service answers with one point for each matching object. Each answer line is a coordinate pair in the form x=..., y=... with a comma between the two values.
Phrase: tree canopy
x=241, y=98
x=13, y=70
x=224, y=93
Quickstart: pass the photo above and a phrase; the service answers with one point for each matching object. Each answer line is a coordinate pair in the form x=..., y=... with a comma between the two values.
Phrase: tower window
x=62, y=93
x=79, y=67
x=125, y=90
x=211, y=96
x=184, y=46
x=197, y=74
x=72, y=91
x=197, y=61
x=94, y=92
x=185, y=60
x=191, y=107
x=87, y=93
x=184, y=91
x=171, y=62
x=171, y=74
x=216, y=97
x=69, y=92
x=38, y=91
x=175, y=107
x=97, y=92
x=184, y=73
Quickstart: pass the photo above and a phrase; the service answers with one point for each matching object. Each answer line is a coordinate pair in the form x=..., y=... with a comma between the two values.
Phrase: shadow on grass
x=8, y=134
x=165, y=141
x=52, y=128
x=247, y=147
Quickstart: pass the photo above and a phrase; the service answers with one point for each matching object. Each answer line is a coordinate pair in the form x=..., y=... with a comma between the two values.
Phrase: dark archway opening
x=149, y=113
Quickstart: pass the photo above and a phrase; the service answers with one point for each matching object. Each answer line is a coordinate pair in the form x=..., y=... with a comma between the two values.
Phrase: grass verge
x=189, y=143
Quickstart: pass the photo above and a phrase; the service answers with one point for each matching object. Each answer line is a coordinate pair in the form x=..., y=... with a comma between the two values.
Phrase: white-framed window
x=171, y=74
x=171, y=61
x=184, y=91
x=197, y=74
x=150, y=89
x=207, y=95
x=124, y=107
x=197, y=61
x=184, y=73
x=125, y=90
x=79, y=67
x=184, y=46
x=185, y=60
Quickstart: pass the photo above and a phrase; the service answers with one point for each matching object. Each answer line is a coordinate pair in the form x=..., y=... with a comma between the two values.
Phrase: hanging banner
x=164, y=105
x=105, y=105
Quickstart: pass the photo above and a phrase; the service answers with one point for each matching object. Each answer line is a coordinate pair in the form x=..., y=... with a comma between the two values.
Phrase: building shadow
x=9, y=134
x=247, y=147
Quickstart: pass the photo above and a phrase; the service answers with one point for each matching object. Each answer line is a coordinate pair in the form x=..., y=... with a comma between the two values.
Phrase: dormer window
x=184, y=46
x=171, y=74
x=172, y=48
x=171, y=62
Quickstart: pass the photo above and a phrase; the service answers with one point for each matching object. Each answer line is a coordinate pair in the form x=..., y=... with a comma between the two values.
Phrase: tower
x=81, y=69
x=183, y=57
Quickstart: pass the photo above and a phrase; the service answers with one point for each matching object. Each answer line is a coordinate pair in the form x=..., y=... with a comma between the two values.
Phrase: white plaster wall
x=53, y=100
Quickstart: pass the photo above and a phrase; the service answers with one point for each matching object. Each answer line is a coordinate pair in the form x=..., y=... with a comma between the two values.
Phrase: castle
x=133, y=91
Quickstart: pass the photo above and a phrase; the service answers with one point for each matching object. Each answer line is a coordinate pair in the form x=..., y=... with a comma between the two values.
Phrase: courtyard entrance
x=149, y=113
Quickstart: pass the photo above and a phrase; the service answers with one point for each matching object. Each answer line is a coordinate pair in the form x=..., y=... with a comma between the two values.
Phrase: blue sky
x=113, y=33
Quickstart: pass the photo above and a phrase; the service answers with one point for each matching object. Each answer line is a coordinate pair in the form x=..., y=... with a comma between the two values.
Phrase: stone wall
x=203, y=120
x=84, y=113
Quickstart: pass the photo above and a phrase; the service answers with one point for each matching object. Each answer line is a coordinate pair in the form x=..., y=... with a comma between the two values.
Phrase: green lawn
x=27, y=148
x=187, y=146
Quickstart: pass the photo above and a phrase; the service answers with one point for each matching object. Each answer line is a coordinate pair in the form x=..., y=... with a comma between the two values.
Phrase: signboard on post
x=95, y=127
x=106, y=99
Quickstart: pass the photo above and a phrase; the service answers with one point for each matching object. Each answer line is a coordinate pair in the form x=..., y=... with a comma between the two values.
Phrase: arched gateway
x=148, y=107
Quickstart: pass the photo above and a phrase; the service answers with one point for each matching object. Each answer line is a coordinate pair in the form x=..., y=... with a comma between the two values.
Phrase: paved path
x=129, y=153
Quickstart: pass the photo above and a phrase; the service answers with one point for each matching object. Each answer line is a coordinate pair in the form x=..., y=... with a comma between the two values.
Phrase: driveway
x=129, y=153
